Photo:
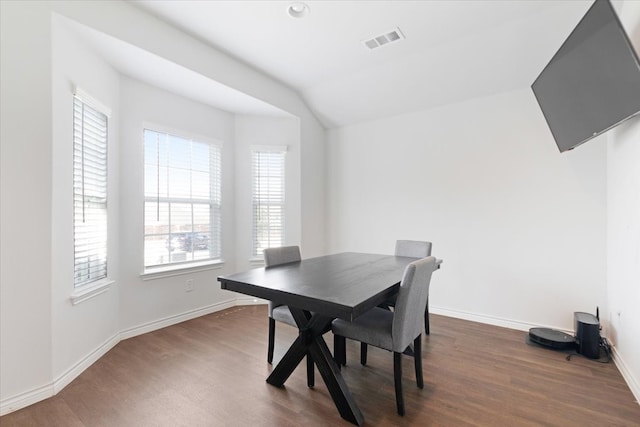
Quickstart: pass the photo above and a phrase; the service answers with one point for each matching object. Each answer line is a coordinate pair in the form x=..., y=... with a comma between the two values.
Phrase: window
x=267, y=165
x=181, y=200
x=89, y=193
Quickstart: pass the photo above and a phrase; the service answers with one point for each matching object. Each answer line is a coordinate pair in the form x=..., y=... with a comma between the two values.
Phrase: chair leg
x=397, y=378
x=426, y=319
x=340, y=350
x=417, y=357
x=363, y=354
x=272, y=333
x=310, y=373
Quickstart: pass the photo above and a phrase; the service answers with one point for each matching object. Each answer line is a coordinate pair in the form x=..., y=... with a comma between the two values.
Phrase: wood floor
x=211, y=371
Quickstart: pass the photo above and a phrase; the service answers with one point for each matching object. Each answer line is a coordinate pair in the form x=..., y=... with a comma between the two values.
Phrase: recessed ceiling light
x=298, y=10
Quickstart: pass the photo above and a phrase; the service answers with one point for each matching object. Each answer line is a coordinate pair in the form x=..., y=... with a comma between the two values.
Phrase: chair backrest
x=413, y=248
x=281, y=255
x=408, y=318
x=278, y=256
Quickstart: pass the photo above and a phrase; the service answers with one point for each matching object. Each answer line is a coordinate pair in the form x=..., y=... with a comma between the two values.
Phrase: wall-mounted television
x=593, y=82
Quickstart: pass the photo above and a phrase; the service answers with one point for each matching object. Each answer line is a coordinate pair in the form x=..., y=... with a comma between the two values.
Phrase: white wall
x=145, y=302
x=312, y=186
x=78, y=330
x=521, y=227
x=25, y=200
x=44, y=341
x=623, y=230
x=256, y=130
x=623, y=258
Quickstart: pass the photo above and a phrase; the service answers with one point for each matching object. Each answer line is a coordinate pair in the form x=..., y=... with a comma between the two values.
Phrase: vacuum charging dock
x=587, y=327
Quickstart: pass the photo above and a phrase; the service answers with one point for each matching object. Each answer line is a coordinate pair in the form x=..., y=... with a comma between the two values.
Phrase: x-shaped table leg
x=310, y=341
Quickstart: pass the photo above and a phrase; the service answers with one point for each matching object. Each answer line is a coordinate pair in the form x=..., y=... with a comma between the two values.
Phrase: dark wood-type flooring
x=211, y=371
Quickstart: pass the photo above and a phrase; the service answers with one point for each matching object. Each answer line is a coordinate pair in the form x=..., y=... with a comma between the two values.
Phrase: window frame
x=214, y=202
x=256, y=199
x=91, y=186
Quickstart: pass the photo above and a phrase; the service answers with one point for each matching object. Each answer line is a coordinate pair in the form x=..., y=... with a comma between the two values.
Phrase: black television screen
x=593, y=82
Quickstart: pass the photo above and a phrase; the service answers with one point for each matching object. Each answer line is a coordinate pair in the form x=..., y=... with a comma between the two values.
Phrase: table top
x=342, y=285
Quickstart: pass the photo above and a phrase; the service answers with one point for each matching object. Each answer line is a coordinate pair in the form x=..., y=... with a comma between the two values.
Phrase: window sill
x=85, y=293
x=180, y=269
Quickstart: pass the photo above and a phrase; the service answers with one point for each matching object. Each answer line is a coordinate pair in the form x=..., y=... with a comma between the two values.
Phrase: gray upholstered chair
x=393, y=330
x=412, y=249
x=416, y=249
x=279, y=312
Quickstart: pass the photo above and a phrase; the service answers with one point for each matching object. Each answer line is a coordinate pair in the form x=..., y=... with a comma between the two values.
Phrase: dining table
x=317, y=291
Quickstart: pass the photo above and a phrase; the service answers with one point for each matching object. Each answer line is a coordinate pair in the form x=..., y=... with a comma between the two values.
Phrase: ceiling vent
x=384, y=39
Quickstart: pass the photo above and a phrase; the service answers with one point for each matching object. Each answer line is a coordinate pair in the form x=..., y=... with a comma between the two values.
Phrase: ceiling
x=144, y=66
x=452, y=50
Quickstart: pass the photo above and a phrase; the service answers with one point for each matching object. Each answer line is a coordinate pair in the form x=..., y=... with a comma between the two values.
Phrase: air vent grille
x=384, y=39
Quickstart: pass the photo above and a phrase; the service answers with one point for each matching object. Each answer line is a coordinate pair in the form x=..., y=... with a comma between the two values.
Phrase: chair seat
x=373, y=327
x=282, y=314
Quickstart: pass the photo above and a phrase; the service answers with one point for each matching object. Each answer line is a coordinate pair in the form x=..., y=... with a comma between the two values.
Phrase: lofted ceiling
x=452, y=50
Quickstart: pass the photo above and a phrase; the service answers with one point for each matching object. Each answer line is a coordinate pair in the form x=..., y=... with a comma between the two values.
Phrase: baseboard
x=172, y=320
x=626, y=373
x=491, y=320
x=183, y=317
x=30, y=397
x=250, y=301
x=22, y=400
x=72, y=373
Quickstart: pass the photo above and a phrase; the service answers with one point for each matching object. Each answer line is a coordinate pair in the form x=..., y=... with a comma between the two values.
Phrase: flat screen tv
x=593, y=82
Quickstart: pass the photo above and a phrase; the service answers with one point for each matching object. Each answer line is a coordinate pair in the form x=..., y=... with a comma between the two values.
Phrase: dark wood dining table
x=318, y=290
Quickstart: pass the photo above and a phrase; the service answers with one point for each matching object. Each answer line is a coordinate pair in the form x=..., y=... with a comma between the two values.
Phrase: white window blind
x=89, y=193
x=182, y=200
x=268, y=170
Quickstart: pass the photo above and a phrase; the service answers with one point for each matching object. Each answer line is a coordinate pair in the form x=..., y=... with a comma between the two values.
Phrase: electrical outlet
x=189, y=285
